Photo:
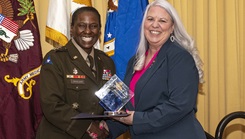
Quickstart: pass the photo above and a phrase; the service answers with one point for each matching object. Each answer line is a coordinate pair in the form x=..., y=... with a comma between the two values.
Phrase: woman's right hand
x=103, y=125
x=102, y=134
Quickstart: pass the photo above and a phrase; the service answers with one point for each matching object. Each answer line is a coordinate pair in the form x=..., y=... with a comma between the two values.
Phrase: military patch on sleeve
x=48, y=61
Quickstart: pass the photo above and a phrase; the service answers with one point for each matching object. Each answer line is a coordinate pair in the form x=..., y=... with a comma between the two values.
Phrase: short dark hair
x=85, y=9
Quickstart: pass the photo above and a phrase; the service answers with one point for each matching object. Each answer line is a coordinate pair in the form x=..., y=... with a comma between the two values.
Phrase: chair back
x=223, y=123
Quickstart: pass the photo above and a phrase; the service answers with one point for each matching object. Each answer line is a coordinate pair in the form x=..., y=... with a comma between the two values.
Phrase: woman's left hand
x=126, y=120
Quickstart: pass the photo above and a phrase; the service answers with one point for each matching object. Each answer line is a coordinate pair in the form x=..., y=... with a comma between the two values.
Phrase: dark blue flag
x=110, y=32
x=126, y=30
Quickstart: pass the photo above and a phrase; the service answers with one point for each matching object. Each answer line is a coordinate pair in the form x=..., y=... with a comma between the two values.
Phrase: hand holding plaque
x=114, y=95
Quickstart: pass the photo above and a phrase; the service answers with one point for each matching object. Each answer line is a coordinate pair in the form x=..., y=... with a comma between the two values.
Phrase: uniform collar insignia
x=74, y=57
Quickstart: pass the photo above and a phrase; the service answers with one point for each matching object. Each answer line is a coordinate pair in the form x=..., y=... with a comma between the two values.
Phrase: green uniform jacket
x=67, y=89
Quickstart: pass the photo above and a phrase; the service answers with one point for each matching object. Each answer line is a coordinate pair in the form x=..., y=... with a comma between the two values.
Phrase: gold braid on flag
x=56, y=36
x=85, y=2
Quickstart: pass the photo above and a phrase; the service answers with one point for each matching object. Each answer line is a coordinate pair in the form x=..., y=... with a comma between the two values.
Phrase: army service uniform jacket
x=67, y=89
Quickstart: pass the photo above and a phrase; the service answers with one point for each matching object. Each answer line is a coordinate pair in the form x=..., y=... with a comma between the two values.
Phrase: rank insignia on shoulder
x=48, y=61
x=106, y=74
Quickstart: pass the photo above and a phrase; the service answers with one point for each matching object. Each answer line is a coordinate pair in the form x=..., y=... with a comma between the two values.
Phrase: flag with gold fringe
x=20, y=60
x=110, y=28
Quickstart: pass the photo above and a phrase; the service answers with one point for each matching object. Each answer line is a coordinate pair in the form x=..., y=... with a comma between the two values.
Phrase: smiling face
x=86, y=30
x=157, y=26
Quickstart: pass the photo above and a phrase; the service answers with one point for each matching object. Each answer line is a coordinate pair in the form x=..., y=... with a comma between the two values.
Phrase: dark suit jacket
x=165, y=98
x=67, y=88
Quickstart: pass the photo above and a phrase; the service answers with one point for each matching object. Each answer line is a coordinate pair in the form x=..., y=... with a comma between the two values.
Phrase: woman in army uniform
x=69, y=79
